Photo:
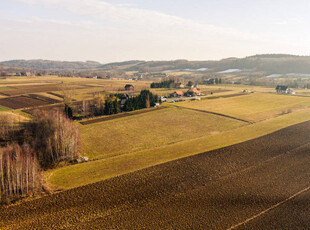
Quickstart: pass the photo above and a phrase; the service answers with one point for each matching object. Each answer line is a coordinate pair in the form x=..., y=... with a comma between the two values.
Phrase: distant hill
x=39, y=64
x=268, y=63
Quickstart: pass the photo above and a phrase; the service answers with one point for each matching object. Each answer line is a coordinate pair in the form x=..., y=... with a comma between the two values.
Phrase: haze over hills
x=268, y=63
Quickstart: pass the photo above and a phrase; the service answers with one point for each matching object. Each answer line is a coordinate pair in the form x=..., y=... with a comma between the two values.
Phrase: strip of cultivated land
x=211, y=190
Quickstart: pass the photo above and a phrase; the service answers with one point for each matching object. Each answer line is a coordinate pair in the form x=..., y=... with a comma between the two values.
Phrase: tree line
x=164, y=84
x=144, y=100
x=113, y=104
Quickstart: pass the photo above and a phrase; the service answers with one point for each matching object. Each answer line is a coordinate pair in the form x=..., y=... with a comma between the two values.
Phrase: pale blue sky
x=117, y=30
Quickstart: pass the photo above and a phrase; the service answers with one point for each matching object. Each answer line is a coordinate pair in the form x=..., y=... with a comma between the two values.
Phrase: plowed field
x=25, y=89
x=213, y=190
x=21, y=102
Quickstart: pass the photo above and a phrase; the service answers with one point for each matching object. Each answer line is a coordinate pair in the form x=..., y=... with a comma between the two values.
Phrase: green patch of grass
x=2, y=108
x=5, y=88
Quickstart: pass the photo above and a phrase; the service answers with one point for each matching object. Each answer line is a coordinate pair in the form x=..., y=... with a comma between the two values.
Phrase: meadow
x=254, y=107
x=150, y=130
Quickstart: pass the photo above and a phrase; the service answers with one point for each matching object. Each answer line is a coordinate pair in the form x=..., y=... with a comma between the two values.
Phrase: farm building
x=129, y=87
x=179, y=85
x=282, y=89
x=176, y=94
x=193, y=92
x=125, y=97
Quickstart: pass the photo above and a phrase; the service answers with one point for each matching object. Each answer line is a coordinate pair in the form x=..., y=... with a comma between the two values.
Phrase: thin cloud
x=144, y=20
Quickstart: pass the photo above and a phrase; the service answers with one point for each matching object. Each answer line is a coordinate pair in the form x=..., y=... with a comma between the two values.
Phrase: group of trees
x=48, y=139
x=213, y=81
x=111, y=104
x=164, y=84
x=54, y=137
x=20, y=173
x=144, y=100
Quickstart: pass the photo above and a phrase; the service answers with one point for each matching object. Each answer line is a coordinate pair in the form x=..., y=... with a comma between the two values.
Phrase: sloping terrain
x=212, y=190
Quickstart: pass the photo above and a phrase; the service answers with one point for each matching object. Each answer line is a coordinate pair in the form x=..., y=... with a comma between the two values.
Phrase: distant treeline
x=213, y=81
x=112, y=104
x=164, y=84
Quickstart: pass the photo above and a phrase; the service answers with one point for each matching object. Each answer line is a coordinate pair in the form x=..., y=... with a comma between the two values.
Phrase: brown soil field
x=22, y=102
x=44, y=98
x=294, y=214
x=212, y=190
x=36, y=89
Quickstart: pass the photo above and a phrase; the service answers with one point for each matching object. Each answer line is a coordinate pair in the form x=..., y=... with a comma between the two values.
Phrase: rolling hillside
x=269, y=63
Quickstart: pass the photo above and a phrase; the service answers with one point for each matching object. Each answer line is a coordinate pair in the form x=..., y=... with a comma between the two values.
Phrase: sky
x=119, y=30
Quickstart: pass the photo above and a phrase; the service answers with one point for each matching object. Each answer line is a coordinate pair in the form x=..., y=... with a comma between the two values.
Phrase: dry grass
x=146, y=131
x=254, y=107
x=77, y=175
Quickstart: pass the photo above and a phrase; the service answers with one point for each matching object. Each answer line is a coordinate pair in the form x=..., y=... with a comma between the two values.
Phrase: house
x=177, y=94
x=28, y=74
x=129, y=87
x=125, y=97
x=179, y=85
x=282, y=89
x=163, y=99
x=193, y=92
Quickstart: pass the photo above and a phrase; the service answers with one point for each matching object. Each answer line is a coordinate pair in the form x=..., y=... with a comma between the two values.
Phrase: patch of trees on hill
x=164, y=84
x=112, y=104
x=48, y=139
x=144, y=100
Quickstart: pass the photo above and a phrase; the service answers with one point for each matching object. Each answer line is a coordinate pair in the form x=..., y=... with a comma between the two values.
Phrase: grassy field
x=77, y=175
x=5, y=88
x=151, y=130
x=253, y=107
x=2, y=108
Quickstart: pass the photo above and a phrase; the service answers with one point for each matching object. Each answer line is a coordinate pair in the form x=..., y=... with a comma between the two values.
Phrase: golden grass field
x=253, y=107
x=150, y=130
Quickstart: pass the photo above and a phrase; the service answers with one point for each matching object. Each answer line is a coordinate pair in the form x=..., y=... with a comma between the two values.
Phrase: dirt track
x=212, y=190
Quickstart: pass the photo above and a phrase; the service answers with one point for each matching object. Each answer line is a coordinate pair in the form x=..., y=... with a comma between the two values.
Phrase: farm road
x=212, y=190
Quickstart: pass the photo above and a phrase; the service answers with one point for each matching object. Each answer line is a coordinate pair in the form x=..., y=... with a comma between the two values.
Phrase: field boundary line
x=214, y=113
x=120, y=115
x=269, y=209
